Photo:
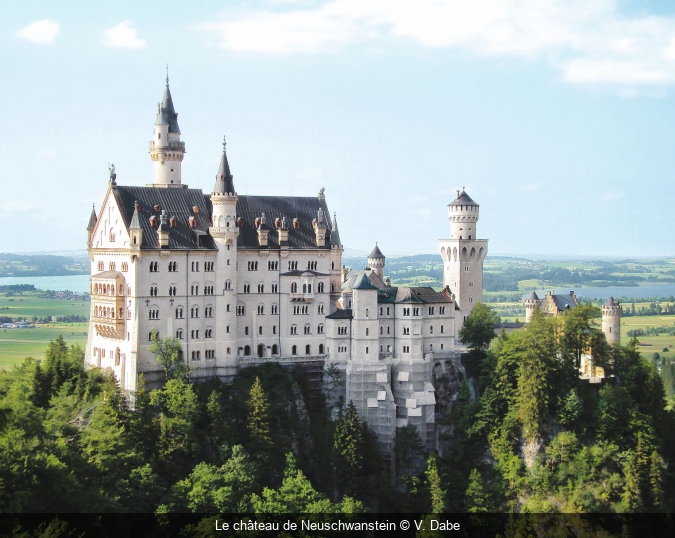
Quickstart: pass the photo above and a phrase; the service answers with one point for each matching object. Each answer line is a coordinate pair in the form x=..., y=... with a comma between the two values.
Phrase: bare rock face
x=447, y=379
x=529, y=451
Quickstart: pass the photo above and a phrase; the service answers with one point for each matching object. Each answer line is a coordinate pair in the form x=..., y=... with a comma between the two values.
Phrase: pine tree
x=435, y=491
x=258, y=420
x=348, y=445
x=476, y=500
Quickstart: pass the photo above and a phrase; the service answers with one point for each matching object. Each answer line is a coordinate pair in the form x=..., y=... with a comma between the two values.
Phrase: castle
x=240, y=280
x=556, y=304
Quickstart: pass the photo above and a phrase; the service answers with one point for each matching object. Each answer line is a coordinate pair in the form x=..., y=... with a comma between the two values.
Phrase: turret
x=531, y=303
x=92, y=225
x=611, y=321
x=135, y=231
x=376, y=262
x=166, y=149
x=224, y=200
x=463, y=216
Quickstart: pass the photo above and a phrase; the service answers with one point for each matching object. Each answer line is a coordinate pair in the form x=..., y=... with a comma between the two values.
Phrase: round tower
x=611, y=321
x=531, y=303
x=166, y=149
x=463, y=216
x=376, y=262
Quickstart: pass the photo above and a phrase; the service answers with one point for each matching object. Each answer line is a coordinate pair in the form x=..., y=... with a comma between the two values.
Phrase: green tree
x=211, y=489
x=258, y=421
x=408, y=448
x=476, y=500
x=348, y=443
x=169, y=353
x=479, y=328
x=436, y=492
x=571, y=408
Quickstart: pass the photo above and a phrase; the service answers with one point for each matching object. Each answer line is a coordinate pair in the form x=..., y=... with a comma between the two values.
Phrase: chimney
x=163, y=230
x=263, y=231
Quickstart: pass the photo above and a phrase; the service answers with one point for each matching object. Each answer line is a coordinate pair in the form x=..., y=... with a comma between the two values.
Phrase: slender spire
x=335, y=235
x=92, y=219
x=224, y=179
x=135, y=223
x=167, y=107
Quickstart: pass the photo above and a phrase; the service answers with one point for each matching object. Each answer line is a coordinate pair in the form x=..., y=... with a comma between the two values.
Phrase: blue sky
x=556, y=116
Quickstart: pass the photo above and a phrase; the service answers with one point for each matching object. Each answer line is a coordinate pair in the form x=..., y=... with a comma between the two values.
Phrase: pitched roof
x=224, y=178
x=463, y=199
x=563, y=302
x=362, y=282
x=161, y=116
x=353, y=275
x=376, y=253
x=533, y=297
x=92, y=219
x=341, y=314
x=135, y=224
x=305, y=209
x=178, y=203
x=167, y=109
x=611, y=302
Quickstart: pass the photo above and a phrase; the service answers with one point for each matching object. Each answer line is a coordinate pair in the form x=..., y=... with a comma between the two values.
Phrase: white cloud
x=590, y=41
x=310, y=173
x=46, y=154
x=17, y=206
x=42, y=32
x=123, y=36
x=611, y=196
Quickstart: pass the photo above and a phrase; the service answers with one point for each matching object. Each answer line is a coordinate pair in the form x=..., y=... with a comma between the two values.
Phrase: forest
x=525, y=434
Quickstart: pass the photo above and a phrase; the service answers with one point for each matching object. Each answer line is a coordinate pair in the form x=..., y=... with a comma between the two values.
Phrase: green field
x=649, y=344
x=16, y=344
x=33, y=304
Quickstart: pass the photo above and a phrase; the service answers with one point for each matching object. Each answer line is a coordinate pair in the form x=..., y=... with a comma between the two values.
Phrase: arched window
x=320, y=287
x=366, y=350
x=431, y=329
x=320, y=349
x=294, y=350
x=275, y=349
x=367, y=332
x=247, y=349
x=308, y=349
x=294, y=287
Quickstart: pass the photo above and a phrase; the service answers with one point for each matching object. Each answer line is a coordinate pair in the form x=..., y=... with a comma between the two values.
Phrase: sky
x=556, y=116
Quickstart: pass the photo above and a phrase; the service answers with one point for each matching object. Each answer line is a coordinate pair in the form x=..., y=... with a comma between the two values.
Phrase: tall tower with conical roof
x=463, y=256
x=225, y=231
x=166, y=149
x=376, y=262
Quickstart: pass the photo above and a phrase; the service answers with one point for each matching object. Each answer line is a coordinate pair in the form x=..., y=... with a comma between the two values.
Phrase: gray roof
x=341, y=314
x=533, y=297
x=92, y=219
x=611, y=302
x=354, y=275
x=362, y=282
x=305, y=209
x=168, y=111
x=161, y=116
x=564, y=301
x=376, y=253
x=224, y=179
x=463, y=199
x=298, y=272
x=178, y=203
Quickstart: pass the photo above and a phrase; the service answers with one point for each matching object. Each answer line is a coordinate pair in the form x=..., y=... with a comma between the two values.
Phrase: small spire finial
x=167, y=74
x=224, y=143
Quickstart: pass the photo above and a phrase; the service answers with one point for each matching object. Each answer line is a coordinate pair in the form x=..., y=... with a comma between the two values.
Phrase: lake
x=74, y=283
x=647, y=290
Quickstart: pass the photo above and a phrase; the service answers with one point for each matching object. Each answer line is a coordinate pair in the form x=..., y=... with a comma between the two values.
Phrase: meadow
x=15, y=344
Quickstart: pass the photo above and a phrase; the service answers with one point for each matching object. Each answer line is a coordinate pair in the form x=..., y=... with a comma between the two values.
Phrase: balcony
x=166, y=146
x=302, y=297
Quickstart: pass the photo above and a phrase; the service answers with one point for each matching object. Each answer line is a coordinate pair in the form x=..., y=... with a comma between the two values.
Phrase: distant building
x=555, y=305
